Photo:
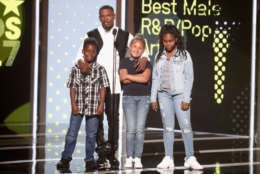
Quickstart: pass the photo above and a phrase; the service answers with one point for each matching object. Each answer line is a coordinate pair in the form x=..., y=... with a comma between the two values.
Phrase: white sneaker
x=167, y=162
x=129, y=162
x=192, y=163
x=137, y=163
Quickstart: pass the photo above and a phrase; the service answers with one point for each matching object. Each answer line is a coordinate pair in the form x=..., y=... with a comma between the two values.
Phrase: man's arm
x=141, y=64
x=84, y=66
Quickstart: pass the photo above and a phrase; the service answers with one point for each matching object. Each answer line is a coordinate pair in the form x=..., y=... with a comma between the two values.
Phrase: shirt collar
x=94, y=65
x=133, y=59
x=176, y=54
x=103, y=31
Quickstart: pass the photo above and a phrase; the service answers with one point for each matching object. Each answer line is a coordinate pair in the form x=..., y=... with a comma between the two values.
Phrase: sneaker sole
x=138, y=167
x=189, y=167
x=166, y=167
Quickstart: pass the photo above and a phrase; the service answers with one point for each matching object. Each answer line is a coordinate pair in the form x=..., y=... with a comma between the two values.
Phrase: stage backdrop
x=217, y=34
x=68, y=22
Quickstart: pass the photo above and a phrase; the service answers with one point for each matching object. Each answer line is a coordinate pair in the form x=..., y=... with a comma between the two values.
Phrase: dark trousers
x=112, y=112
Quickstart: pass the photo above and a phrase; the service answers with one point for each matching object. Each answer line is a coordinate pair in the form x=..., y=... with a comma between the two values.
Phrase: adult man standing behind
x=106, y=35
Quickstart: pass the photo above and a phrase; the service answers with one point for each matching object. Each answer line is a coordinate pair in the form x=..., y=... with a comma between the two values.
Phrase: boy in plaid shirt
x=87, y=94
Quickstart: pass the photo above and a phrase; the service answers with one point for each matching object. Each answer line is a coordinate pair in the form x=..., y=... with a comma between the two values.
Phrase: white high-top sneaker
x=192, y=162
x=167, y=162
x=129, y=162
x=137, y=163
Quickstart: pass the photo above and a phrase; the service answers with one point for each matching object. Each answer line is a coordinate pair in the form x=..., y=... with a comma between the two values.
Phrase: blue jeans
x=135, y=111
x=171, y=106
x=72, y=134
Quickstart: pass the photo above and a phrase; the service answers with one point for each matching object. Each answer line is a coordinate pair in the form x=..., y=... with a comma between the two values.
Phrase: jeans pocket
x=126, y=100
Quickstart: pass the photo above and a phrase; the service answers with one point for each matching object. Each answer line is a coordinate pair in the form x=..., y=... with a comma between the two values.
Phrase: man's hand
x=141, y=64
x=100, y=109
x=155, y=106
x=85, y=67
x=185, y=106
x=75, y=110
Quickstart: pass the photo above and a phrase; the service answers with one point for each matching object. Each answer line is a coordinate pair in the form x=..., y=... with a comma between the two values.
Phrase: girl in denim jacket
x=172, y=81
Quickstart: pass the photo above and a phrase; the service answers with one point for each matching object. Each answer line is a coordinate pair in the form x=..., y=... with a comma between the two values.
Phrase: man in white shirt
x=109, y=36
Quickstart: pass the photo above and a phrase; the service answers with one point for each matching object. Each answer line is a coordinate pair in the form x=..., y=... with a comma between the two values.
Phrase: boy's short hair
x=106, y=7
x=92, y=41
x=140, y=37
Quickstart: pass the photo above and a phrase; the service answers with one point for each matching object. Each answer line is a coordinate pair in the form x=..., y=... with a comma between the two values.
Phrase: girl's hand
x=123, y=74
x=155, y=106
x=75, y=110
x=185, y=106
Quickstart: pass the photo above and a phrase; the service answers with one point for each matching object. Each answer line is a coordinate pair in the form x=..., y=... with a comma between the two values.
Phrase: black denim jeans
x=112, y=112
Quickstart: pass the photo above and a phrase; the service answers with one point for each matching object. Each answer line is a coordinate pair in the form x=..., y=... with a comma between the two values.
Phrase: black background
x=15, y=80
x=232, y=115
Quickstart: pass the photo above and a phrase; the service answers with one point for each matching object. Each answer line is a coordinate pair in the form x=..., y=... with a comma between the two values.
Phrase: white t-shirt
x=105, y=56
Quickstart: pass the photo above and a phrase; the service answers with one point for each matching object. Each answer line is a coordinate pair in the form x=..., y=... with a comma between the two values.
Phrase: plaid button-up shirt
x=87, y=96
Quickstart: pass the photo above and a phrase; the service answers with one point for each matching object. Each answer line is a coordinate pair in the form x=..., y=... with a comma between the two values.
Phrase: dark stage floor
x=218, y=153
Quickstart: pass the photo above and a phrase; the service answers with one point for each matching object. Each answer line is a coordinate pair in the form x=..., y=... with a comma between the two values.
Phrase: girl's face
x=89, y=52
x=169, y=42
x=136, y=49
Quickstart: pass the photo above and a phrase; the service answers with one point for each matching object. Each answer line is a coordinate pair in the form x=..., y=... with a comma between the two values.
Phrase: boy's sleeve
x=104, y=82
x=71, y=81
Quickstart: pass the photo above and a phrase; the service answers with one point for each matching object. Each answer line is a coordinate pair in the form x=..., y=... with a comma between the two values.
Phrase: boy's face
x=106, y=18
x=89, y=52
x=136, y=48
x=169, y=42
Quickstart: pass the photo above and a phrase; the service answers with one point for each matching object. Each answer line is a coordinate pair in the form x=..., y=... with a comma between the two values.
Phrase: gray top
x=165, y=76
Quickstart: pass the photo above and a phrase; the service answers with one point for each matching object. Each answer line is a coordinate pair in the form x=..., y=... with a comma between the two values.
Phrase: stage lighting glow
x=220, y=47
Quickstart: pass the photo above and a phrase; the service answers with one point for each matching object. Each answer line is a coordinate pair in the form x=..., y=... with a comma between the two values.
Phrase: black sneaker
x=91, y=166
x=63, y=164
x=114, y=163
x=101, y=164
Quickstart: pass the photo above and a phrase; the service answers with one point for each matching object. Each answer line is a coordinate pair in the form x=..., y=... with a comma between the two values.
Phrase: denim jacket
x=181, y=75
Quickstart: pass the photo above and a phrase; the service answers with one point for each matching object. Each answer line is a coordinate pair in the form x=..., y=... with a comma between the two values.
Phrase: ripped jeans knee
x=169, y=129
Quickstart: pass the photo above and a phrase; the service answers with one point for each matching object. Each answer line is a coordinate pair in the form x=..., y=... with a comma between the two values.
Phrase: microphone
x=114, y=32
